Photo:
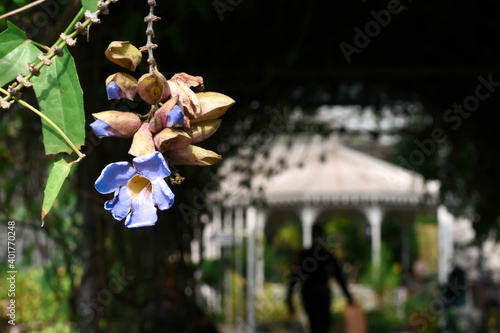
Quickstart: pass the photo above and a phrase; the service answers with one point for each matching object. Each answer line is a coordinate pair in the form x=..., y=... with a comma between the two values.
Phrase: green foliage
x=383, y=278
x=213, y=273
x=346, y=236
x=381, y=321
x=426, y=218
x=90, y=5
x=57, y=175
x=39, y=307
x=287, y=237
x=417, y=309
x=279, y=255
x=16, y=51
x=60, y=98
x=271, y=305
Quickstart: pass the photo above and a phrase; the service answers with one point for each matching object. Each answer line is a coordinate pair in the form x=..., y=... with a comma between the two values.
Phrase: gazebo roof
x=313, y=170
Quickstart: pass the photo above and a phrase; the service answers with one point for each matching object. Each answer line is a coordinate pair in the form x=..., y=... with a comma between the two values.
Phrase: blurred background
x=375, y=119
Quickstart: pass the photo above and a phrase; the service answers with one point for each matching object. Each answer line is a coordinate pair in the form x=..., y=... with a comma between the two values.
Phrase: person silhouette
x=311, y=269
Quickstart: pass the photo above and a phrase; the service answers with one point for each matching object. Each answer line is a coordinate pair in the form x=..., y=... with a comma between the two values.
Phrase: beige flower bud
x=153, y=87
x=127, y=84
x=121, y=124
x=193, y=155
x=124, y=54
x=171, y=138
x=142, y=143
x=213, y=105
x=162, y=112
x=187, y=98
x=203, y=130
x=155, y=125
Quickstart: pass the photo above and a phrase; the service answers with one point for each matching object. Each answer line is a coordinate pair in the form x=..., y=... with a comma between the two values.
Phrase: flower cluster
x=180, y=116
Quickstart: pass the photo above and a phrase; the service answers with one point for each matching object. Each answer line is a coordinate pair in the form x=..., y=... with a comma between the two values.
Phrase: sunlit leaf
x=90, y=5
x=16, y=51
x=60, y=98
x=57, y=175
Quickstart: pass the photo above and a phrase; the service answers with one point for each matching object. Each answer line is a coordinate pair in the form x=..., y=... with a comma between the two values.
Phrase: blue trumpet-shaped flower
x=138, y=188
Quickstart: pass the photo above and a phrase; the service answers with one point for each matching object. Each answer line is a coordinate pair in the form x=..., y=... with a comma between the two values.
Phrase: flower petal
x=175, y=117
x=143, y=212
x=120, y=205
x=101, y=129
x=152, y=166
x=113, y=176
x=113, y=90
x=163, y=196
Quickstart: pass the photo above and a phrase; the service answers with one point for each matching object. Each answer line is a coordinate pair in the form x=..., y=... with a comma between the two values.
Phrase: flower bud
x=171, y=138
x=115, y=123
x=187, y=97
x=126, y=84
x=142, y=143
x=155, y=125
x=203, y=130
x=113, y=90
x=162, y=112
x=153, y=87
x=124, y=54
x=193, y=155
x=213, y=105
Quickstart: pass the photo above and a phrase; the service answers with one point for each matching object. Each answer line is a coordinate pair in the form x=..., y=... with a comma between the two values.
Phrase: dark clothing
x=317, y=307
x=312, y=269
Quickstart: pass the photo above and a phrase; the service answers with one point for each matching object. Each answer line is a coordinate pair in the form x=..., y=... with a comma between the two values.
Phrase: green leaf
x=60, y=98
x=90, y=5
x=16, y=51
x=57, y=175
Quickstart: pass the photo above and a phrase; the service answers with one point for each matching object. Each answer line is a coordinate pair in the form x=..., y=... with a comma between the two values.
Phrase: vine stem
x=71, y=26
x=21, y=9
x=50, y=122
x=150, y=34
x=61, y=43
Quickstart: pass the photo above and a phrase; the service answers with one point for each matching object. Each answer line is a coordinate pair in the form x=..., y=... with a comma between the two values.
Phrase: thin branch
x=15, y=11
x=150, y=33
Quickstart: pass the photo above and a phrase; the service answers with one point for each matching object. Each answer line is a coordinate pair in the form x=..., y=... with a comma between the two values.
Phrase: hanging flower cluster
x=180, y=116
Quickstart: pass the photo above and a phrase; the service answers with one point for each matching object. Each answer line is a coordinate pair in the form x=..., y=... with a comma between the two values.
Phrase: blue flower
x=113, y=90
x=101, y=129
x=138, y=188
x=116, y=123
x=175, y=117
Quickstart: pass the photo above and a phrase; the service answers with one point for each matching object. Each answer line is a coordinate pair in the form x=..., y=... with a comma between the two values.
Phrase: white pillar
x=217, y=228
x=259, y=256
x=208, y=251
x=195, y=251
x=445, y=242
x=374, y=215
x=238, y=232
x=228, y=296
x=251, y=222
x=307, y=215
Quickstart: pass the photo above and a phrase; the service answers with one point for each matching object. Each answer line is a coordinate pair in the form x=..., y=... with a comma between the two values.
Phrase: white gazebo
x=309, y=175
